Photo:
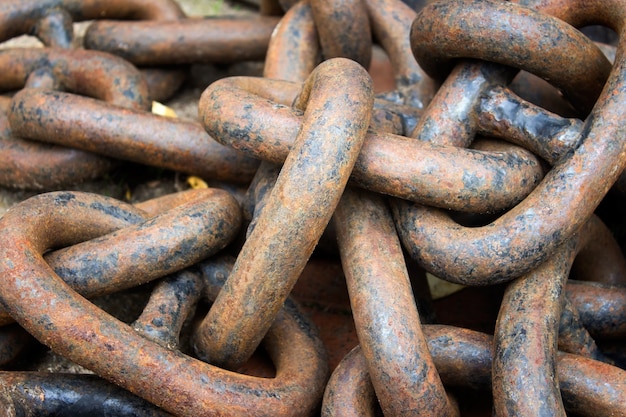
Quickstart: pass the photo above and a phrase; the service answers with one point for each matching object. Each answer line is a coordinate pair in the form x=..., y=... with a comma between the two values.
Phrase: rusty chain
x=343, y=191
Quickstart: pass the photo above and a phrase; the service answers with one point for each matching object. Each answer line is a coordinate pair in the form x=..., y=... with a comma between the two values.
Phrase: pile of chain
x=291, y=286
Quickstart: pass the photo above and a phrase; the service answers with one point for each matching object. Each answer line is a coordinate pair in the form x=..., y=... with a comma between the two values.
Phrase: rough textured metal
x=36, y=166
x=139, y=136
x=349, y=392
x=601, y=307
x=463, y=359
x=574, y=337
x=236, y=112
x=18, y=17
x=294, y=49
x=148, y=247
x=386, y=318
x=504, y=32
x=344, y=30
x=51, y=21
x=170, y=304
x=177, y=383
x=29, y=165
x=525, y=236
x=185, y=41
x=514, y=208
x=69, y=395
x=525, y=340
x=96, y=74
x=525, y=337
x=391, y=24
x=302, y=202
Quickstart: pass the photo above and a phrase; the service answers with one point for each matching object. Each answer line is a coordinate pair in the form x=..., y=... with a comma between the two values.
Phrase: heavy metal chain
x=479, y=154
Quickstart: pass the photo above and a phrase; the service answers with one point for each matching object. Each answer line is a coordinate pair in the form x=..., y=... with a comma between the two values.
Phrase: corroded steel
x=349, y=392
x=171, y=302
x=391, y=24
x=463, y=359
x=96, y=74
x=51, y=21
x=72, y=326
x=574, y=337
x=525, y=340
x=129, y=134
x=525, y=337
x=525, y=236
x=236, y=112
x=294, y=49
x=184, y=41
x=344, y=30
x=568, y=58
x=489, y=176
x=68, y=395
x=27, y=164
x=313, y=176
x=19, y=17
x=602, y=308
x=146, y=247
x=386, y=318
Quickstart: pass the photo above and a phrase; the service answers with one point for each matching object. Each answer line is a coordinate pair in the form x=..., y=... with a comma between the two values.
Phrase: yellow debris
x=163, y=110
x=195, y=182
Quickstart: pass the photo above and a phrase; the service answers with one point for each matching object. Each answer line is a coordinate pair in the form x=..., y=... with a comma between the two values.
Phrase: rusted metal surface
x=387, y=322
x=153, y=247
x=314, y=175
x=95, y=74
x=344, y=30
x=42, y=394
x=163, y=83
x=294, y=49
x=511, y=245
x=437, y=39
x=601, y=308
x=149, y=247
x=391, y=24
x=259, y=191
x=28, y=165
x=574, y=337
x=350, y=392
x=51, y=21
x=463, y=359
x=462, y=347
x=585, y=389
x=33, y=165
x=192, y=387
x=184, y=41
x=133, y=135
x=20, y=17
x=230, y=110
x=461, y=167
x=171, y=302
x=525, y=338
